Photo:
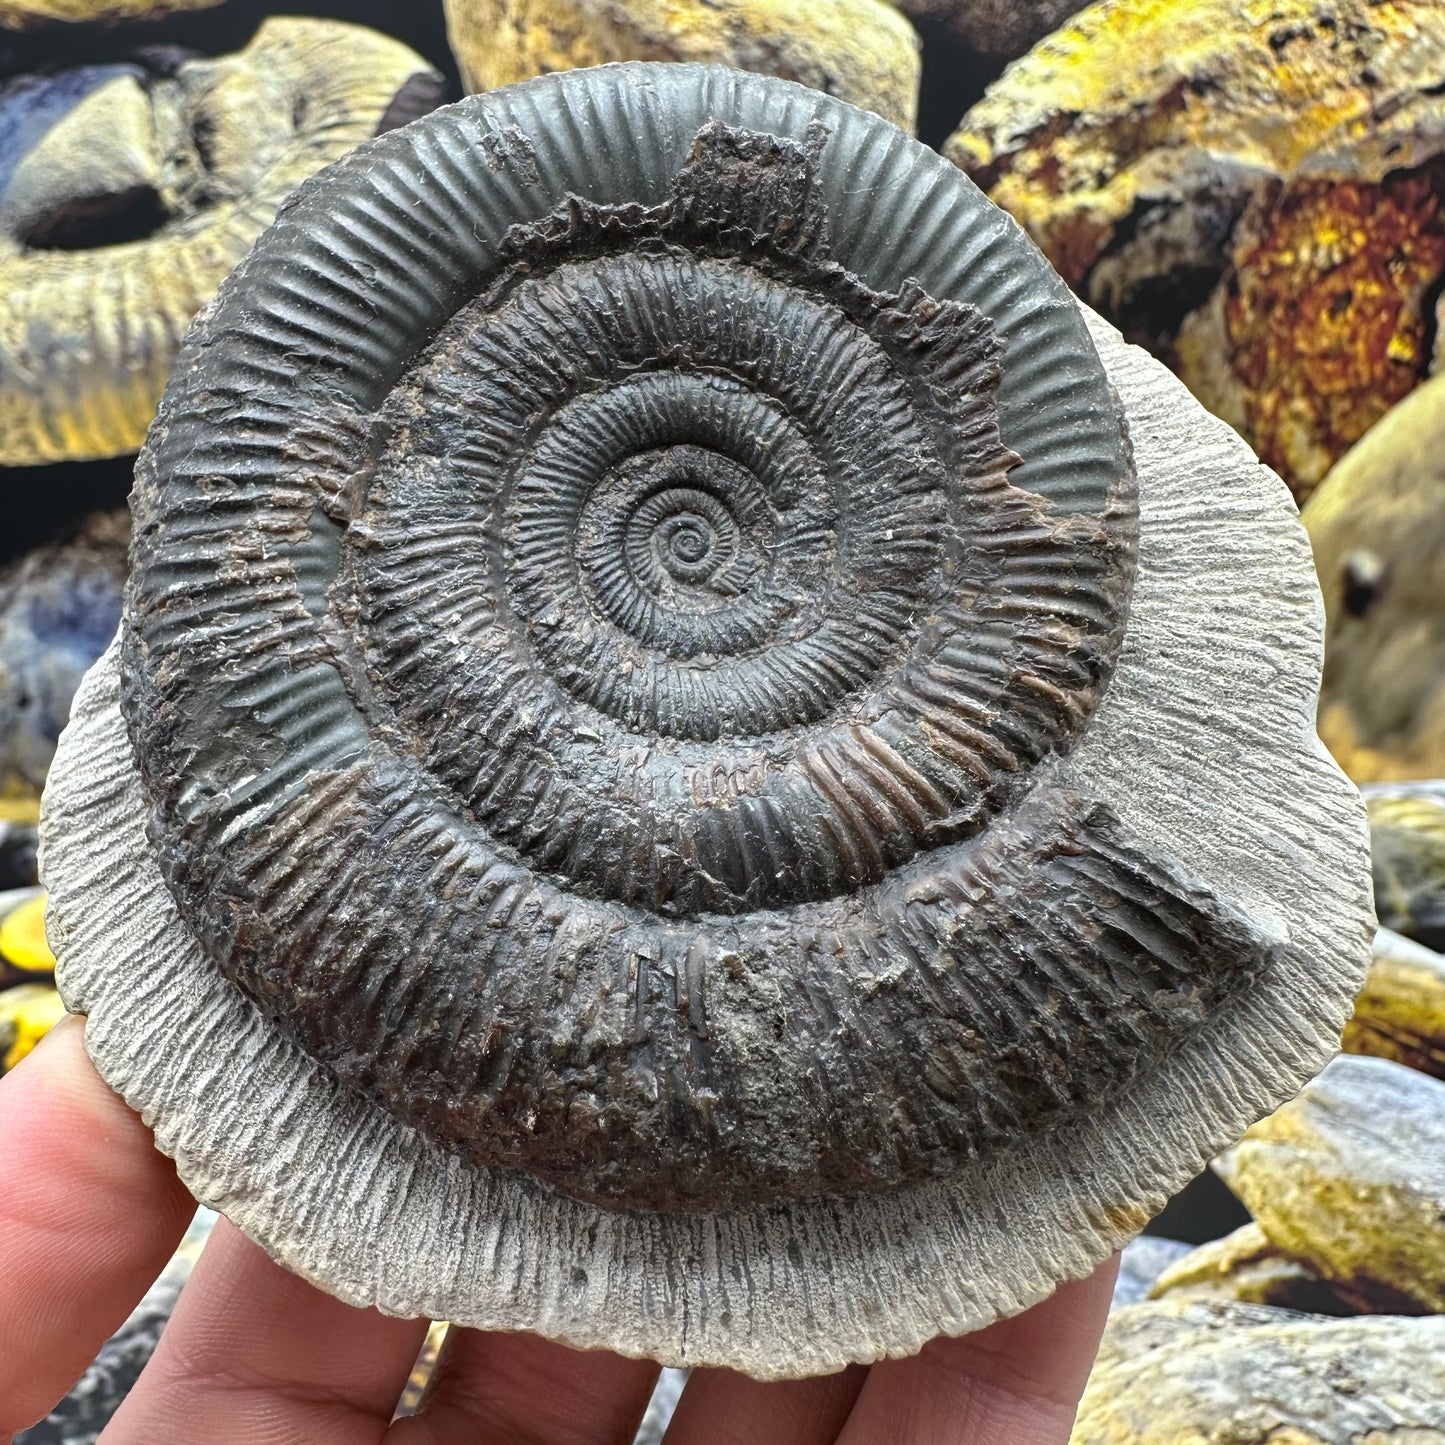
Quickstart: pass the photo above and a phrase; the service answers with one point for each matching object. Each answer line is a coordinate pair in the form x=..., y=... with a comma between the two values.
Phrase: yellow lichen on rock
x=22, y=938
x=27, y=1014
x=21, y=14
x=863, y=51
x=198, y=160
x=1255, y=191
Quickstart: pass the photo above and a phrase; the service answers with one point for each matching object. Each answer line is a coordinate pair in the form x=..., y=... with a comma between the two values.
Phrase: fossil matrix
x=691, y=765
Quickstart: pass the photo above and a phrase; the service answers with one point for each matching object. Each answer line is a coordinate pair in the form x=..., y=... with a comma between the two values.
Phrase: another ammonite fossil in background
x=22, y=14
x=129, y=191
x=650, y=750
x=19, y=15
x=863, y=51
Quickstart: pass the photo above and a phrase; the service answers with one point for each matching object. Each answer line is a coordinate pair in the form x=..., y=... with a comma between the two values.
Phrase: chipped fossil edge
x=1204, y=745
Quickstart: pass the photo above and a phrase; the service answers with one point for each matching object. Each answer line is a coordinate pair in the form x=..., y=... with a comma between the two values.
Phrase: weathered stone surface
x=1349, y=1178
x=27, y=1013
x=1400, y=1014
x=129, y=191
x=801, y=989
x=995, y=27
x=1377, y=525
x=862, y=51
x=1142, y=1262
x=23, y=14
x=1253, y=191
x=1211, y=1373
x=99, y=1393
x=59, y=607
x=1407, y=853
x=1248, y=1268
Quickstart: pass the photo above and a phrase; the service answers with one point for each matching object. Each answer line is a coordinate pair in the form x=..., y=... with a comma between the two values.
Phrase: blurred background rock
x=1252, y=191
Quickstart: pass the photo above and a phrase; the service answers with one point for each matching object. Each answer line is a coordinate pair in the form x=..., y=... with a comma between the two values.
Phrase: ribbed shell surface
x=596, y=667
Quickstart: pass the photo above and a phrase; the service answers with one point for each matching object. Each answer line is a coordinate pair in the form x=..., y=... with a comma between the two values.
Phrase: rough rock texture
x=22, y=14
x=1222, y=797
x=1254, y=191
x=1377, y=524
x=1232, y=1374
x=862, y=51
x=59, y=607
x=129, y=191
x=1407, y=854
x=1350, y=1179
x=995, y=27
x=1400, y=1015
x=1247, y=1268
x=87, y=1409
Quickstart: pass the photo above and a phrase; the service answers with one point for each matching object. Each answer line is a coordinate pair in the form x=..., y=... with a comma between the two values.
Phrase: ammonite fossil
x=129, y=191
x=651, y=766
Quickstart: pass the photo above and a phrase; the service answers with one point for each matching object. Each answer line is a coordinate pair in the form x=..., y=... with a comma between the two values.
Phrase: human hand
x=90, y=1213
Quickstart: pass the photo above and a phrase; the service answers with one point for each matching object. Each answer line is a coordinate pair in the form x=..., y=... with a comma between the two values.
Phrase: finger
x=720, y=1408
x=1016, y=1383
x=90, y=1212
x=499, y=1389
x=254, y=1356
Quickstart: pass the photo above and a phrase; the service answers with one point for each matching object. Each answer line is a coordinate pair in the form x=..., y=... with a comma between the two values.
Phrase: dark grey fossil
x=663, y=771
x=612, y=756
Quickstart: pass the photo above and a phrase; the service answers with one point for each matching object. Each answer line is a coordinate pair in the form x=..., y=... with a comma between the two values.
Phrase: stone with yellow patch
x=27, y=1014
x=1253, y=191
x=863, y=51
x=1400, y=1014
x=22, y=937
x=1349, y=1178
x=1181, y=1371
x=1248, y=1268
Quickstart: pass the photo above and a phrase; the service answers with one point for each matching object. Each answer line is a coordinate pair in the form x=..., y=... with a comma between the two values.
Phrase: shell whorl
x=598, y=666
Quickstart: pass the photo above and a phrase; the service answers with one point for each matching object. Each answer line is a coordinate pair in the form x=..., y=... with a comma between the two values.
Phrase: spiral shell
x=129, y=191
x=629, y=575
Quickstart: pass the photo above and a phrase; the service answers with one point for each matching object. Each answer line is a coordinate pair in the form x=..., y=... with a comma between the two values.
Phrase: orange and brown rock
x=862, y=51
x=1377, y=525
x=1253, y=191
